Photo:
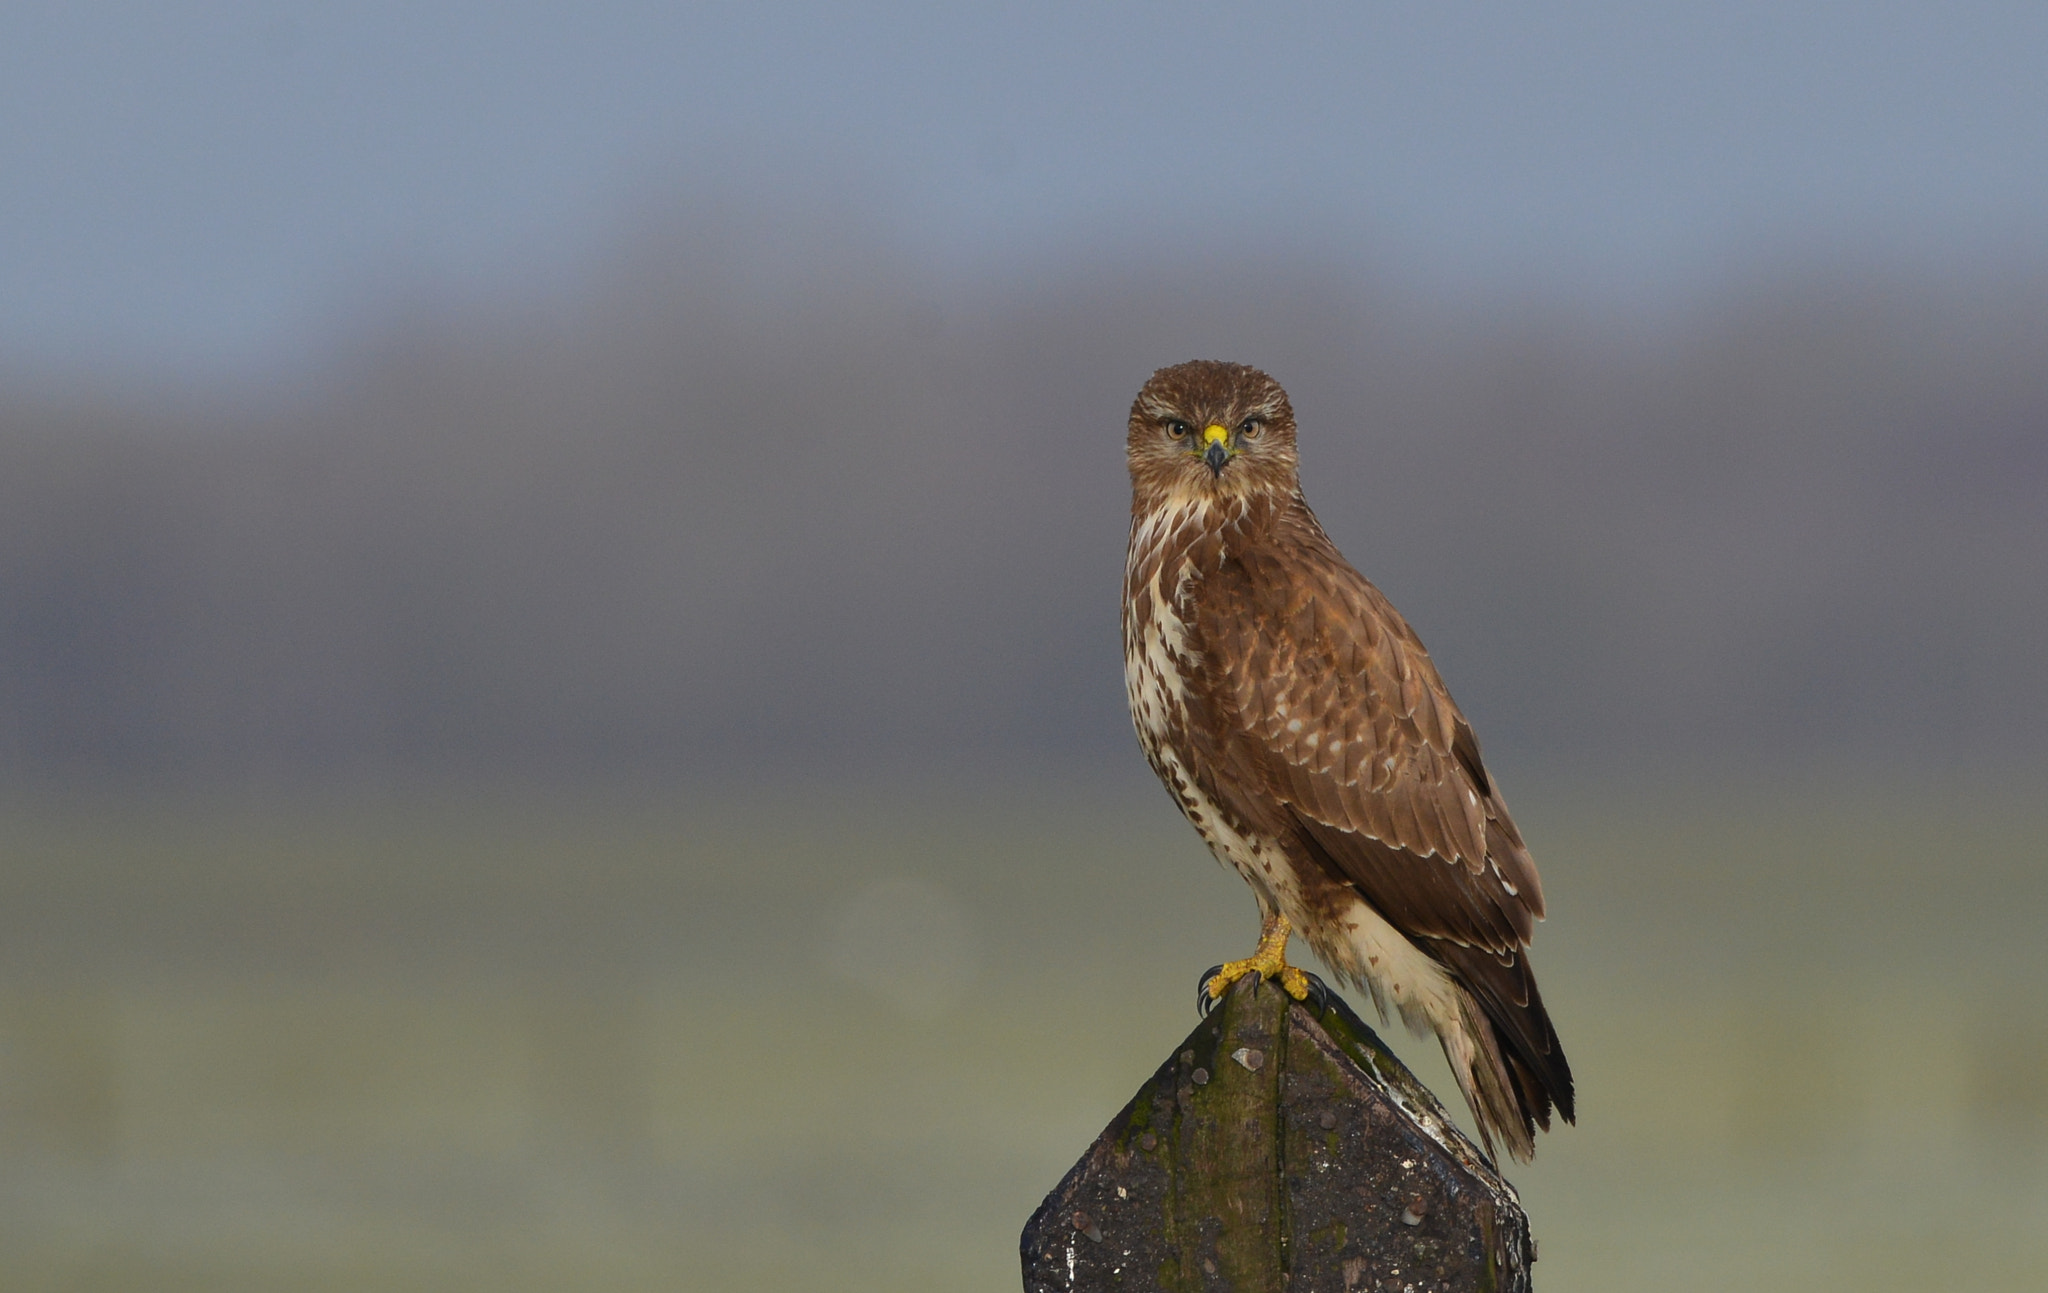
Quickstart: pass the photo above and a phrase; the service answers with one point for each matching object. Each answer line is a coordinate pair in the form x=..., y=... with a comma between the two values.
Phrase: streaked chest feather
x=1157, y=653
x=1160, y=658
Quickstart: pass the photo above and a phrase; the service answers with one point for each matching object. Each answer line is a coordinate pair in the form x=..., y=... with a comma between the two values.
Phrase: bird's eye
x=1251, y=428
x=1178, y=430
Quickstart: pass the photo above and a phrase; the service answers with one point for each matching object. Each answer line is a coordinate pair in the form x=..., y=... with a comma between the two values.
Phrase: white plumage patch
x=1402, y=978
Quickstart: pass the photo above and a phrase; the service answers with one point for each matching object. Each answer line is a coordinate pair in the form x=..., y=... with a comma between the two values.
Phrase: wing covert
x=1337, y=709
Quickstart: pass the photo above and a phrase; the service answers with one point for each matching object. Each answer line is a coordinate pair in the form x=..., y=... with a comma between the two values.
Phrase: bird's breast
x=1168, y=557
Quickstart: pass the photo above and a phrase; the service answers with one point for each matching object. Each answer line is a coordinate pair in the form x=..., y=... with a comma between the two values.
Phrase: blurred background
x=560, y=704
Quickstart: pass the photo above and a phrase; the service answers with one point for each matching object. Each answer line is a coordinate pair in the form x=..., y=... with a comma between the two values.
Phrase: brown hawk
x=1303, y=730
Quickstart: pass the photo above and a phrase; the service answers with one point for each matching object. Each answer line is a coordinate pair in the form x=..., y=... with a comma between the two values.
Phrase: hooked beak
x=1218, y=451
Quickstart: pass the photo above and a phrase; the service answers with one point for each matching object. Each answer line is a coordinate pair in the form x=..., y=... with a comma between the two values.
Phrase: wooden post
x=1281, y=1147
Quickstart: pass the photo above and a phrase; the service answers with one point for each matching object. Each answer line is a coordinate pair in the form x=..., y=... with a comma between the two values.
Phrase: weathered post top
x=1281, y=1147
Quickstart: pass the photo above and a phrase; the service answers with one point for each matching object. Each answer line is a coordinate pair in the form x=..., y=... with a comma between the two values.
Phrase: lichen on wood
x=1280, y=1147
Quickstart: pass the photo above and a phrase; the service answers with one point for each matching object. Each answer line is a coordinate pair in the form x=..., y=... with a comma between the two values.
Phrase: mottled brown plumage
x=1303, y=730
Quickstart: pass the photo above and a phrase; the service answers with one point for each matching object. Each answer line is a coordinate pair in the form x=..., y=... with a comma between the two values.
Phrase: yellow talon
x=1268, y=961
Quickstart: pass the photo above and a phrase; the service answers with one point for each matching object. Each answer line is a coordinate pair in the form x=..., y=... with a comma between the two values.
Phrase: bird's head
x=1210, y=430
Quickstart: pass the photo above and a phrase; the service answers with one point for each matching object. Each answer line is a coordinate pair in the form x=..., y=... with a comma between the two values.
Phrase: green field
x=520, y=1041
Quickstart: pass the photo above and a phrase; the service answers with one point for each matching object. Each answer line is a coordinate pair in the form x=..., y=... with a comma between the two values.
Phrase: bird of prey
x=1302, y=728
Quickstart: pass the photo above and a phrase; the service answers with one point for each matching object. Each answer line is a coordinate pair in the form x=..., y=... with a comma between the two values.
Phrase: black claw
x=1318, y=993
x=1203, y=1001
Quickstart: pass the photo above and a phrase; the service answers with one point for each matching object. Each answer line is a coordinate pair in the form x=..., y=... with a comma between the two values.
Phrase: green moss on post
x=1280, y=1147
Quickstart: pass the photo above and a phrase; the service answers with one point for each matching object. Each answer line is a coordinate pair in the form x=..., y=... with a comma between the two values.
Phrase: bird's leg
x=1269, y=961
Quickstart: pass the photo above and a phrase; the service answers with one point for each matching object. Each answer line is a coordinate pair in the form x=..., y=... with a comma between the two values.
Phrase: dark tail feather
x=1489, y=1090
x=1519, y=1070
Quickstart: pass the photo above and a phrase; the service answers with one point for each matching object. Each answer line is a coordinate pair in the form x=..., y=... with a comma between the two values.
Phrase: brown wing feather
x=1349, y=723
x=1343, y=717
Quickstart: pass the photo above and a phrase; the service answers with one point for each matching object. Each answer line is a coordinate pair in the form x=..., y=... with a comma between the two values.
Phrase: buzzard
x=1301, y=727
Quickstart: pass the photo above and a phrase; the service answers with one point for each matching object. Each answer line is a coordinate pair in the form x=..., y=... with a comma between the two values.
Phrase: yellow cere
x=1213, y=434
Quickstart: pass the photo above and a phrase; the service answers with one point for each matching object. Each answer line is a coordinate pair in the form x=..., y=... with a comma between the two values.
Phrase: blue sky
x=211, y=186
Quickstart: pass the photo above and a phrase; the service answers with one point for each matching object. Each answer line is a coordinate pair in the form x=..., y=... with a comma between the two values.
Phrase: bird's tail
x=1482, y=1074
x=1505, y=1054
